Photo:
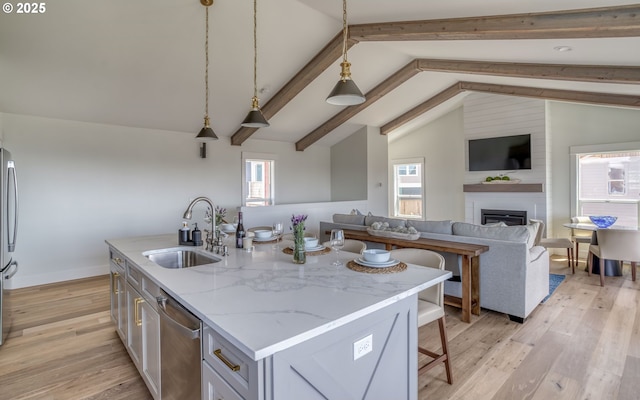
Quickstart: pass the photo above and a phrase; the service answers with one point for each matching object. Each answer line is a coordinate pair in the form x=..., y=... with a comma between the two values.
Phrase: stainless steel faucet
x=187, y=215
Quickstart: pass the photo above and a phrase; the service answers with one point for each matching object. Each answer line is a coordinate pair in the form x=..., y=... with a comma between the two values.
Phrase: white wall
x=82, y=183
x=349, y=167
x=441, y=143
x=571, y=124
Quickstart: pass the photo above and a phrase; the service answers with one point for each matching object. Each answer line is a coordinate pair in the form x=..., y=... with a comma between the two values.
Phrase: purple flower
x=298, y=219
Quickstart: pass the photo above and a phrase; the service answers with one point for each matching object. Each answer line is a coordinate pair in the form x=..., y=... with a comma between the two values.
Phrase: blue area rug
x=554, y=281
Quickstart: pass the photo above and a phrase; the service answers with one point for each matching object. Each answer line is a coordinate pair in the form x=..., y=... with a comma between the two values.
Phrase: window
x=608, y=183
x=258, y=172
x=408, y=196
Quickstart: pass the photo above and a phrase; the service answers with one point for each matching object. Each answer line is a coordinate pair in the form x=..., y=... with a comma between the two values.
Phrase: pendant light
x=206, y=133
x=346, y=92
x=255, y=119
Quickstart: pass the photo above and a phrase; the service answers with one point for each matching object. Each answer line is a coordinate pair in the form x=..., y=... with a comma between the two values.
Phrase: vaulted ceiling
x=141, y=63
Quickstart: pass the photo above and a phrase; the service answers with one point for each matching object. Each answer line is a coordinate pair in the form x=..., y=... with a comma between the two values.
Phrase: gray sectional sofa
x=514, y=273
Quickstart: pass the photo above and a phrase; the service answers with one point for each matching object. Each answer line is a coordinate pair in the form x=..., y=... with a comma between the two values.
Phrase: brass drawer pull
x=118, y=260
x=114, y=282
x=218, y=353
x=136, y=314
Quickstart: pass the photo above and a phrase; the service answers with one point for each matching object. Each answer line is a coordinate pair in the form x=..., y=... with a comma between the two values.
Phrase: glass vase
x=299, y=255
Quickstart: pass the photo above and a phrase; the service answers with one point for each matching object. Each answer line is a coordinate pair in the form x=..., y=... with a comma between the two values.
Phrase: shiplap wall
x=487, y=115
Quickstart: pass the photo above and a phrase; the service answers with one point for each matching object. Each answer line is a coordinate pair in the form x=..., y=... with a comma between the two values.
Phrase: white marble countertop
x=263, y=303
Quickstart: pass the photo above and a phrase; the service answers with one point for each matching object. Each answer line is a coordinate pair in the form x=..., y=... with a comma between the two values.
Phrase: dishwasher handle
x=190, y=333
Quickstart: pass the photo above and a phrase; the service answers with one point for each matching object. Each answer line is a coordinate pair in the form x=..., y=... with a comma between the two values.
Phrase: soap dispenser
x=184, y=234
x=196, y=235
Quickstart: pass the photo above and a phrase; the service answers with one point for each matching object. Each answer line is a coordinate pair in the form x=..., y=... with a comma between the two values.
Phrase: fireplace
x=509, y=217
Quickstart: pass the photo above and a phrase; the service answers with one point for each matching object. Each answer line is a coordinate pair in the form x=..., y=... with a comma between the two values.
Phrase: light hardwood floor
x=583, y=343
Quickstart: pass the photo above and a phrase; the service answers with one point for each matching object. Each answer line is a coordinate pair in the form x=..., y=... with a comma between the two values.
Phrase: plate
x=256, y=239
x=385, y=264
x=316, y=248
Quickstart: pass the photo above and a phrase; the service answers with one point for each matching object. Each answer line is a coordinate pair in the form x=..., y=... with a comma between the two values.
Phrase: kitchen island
x=302, y=330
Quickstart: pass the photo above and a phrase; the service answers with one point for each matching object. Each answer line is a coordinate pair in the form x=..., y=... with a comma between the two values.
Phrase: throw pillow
x=443, y=227
x=348, y=219
x=518, y=233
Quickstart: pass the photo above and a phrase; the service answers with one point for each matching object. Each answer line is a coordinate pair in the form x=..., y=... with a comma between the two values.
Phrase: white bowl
x=263, y=233
x=227, y=227
x=310, y=242
x=376, y=255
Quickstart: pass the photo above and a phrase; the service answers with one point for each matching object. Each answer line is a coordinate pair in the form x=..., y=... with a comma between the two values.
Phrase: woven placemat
x=372, y=270
x=256, y=242
x=289, y=250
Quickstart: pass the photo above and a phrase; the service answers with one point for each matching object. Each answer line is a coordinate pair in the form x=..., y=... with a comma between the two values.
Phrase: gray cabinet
x=143, y=338
x=118, y=296
x=355, y=361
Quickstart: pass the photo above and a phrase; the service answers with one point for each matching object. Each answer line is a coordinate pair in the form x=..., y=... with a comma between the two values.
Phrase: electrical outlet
x=362, y=347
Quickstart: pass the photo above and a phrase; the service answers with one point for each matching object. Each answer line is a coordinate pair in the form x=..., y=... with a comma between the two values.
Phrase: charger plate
x=289, y=250
x=352, y=265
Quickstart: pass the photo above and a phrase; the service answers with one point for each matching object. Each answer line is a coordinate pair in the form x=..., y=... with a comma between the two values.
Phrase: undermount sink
x=180, y=257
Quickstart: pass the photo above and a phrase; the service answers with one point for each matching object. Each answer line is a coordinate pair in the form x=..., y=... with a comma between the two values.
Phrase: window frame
x=394, y=193
x=269, y=199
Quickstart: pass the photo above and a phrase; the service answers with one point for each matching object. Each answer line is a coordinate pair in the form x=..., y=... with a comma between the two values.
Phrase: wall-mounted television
x=500, y=153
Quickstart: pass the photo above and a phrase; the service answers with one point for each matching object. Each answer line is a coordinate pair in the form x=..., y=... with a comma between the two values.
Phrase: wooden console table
x=470, y=301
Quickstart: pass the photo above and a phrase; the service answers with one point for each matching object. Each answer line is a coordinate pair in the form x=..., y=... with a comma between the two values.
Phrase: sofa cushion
x=393, y=222
x=444, y=227
x=518, y=233
x=348, y=219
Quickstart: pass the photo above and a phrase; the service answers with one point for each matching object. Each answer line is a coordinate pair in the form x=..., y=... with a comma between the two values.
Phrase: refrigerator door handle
x=11, y=177
x=9, y=274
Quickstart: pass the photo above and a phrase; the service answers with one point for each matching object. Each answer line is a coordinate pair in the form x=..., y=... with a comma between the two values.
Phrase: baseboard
x=21, y=280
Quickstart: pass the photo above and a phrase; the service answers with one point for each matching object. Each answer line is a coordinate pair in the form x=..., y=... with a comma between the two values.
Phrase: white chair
x=581, y=235
x=350, y=245
x=430, y=304
x=555, y=243
x=616, y=244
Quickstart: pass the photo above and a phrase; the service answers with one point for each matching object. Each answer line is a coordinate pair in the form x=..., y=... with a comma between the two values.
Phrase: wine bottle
x=240, y=233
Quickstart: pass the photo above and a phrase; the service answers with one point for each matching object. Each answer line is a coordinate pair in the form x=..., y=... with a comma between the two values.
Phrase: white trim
x=392, y=180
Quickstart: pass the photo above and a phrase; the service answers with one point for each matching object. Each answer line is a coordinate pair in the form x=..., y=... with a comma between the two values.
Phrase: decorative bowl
x=376, y=255
x=310, y=243
x=263, y=233
x=603, y=221
x=227, y=227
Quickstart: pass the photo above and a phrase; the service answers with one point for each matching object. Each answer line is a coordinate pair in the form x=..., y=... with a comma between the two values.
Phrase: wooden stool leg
x=633, y=270
x=601, y=271
x=445, y=349
x=573, y=264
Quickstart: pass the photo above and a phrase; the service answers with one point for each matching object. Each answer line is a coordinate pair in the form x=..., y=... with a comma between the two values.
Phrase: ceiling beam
x=609, y=99
x=422, y=108
x=622, y=21
x=588, y=23
x=580, y=73
x=375, y=94
x=323, y=60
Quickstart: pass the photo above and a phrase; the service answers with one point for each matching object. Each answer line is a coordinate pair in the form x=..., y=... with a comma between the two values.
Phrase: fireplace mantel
x=504, y=187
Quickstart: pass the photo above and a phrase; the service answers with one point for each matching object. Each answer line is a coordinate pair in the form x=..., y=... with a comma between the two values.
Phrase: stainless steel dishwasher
x=180, y=351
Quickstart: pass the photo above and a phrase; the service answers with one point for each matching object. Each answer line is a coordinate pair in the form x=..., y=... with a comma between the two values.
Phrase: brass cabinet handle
x=136, y=313
x=114, y=284
x=218, y=353
x=118, y=260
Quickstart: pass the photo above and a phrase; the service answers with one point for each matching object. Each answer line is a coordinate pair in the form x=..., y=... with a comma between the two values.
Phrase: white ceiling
x=141, y=63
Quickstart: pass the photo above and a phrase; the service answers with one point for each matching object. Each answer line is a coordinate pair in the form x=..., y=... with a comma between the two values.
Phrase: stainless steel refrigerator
x=8, y=230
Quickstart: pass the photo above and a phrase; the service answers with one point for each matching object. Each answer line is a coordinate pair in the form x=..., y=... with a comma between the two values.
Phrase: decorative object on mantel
x=297, y=225
x=255, y=119
x=206, y=133
x=520, y=187
x=501, y=182
x=382, y=229
x=345, y=92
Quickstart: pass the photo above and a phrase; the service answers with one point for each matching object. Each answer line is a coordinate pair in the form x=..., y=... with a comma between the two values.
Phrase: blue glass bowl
x=603, y=221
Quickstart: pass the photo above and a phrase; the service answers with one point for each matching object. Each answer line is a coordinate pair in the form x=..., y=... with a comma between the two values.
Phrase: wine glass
x=337, y=242
x=278, y=230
